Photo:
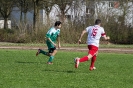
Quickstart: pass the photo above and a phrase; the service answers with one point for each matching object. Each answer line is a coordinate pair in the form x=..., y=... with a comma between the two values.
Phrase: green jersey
x=52, y=34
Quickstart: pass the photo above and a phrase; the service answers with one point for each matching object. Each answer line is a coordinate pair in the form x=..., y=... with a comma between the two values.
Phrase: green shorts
x=50, y=46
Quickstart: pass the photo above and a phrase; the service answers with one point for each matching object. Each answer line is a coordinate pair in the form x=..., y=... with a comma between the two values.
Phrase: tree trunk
x=5, y=23
x=35, y=15
x=48, y=19
x=63, y=17
x=21, y=15
x=25, y=18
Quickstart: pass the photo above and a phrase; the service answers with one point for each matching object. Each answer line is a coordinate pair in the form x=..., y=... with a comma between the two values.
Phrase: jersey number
x=94, y=32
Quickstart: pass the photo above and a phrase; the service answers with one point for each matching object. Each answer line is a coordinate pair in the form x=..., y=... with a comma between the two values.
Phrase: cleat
x=49, y=63
x=38, y=52
x=76, y=60
x=92, y=68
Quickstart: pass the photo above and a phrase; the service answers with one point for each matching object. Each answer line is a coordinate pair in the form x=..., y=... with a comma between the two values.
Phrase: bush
x=119, y=33
x=6, y=35
x=70, y=33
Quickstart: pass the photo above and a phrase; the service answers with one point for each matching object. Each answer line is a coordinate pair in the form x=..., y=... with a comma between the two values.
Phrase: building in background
x=2, y=23
x=79, y=12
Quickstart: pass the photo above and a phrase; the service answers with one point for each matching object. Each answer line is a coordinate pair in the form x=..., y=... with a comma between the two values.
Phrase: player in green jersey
x=51, y=37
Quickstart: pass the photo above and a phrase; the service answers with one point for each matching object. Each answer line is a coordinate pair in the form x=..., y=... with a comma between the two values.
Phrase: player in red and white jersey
x=94, y=34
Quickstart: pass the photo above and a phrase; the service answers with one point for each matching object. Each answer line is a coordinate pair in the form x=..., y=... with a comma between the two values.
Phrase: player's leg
x=83, y=59
x=43, y=52
x=91, y=53
x=49, y=45
x=53, y=52
x=92, y=67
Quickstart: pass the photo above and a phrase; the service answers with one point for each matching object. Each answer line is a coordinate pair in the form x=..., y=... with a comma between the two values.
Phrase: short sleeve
x=49, y=33
x=103, y=32
x=87, y=29
x=58, y=30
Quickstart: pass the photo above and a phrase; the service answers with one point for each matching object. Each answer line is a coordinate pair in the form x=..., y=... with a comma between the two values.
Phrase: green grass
x=22, y=69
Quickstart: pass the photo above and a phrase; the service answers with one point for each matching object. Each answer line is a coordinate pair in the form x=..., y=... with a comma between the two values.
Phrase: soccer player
x=94, y=34
x=51, y=37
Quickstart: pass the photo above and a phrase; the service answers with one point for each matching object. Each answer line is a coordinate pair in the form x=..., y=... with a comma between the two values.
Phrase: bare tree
x=126, y=11
x=64, y=6
x=47, y=6
x=37, y=4
x=5, y=10
x=25, y=6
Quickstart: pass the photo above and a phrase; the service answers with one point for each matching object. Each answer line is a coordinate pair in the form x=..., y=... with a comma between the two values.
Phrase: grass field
x=22, y=69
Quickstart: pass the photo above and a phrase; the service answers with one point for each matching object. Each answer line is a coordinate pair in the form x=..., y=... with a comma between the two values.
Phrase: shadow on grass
x=59, y=71
x=25, y=62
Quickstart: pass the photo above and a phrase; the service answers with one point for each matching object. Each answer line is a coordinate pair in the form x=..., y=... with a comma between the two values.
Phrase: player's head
x=57, y=24
x=97, y=22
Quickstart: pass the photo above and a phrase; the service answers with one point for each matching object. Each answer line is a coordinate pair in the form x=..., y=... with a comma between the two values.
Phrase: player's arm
x=48, y=35
x=58, y=39
x=51, y=42
x=83, y=32
x=106, y=37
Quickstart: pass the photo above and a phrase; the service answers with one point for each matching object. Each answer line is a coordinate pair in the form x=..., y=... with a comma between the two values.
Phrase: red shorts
x=92, y=49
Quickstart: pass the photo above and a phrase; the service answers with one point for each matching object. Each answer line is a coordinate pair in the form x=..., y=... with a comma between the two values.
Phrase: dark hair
x=98, y=21
x=57, y=23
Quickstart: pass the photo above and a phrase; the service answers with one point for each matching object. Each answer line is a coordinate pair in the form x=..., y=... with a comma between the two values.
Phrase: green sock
x=51, y=58
x=43, y=52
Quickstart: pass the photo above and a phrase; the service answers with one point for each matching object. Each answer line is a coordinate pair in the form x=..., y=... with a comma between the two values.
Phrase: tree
x=126, y=11
x=37, y=4
x=64, y=6
x=5, y=10
x=47, y=6
x=25, y=6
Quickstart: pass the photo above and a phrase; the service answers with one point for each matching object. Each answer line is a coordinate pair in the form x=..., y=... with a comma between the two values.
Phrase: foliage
x=70, y=33
x=5, y=10
x=113, y=20
x=119, y=33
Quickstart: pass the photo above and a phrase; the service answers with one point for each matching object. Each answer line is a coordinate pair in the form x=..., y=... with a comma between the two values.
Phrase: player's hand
x=108, y=37
x=79, y=41
x=54, y=44
x=59, y=46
